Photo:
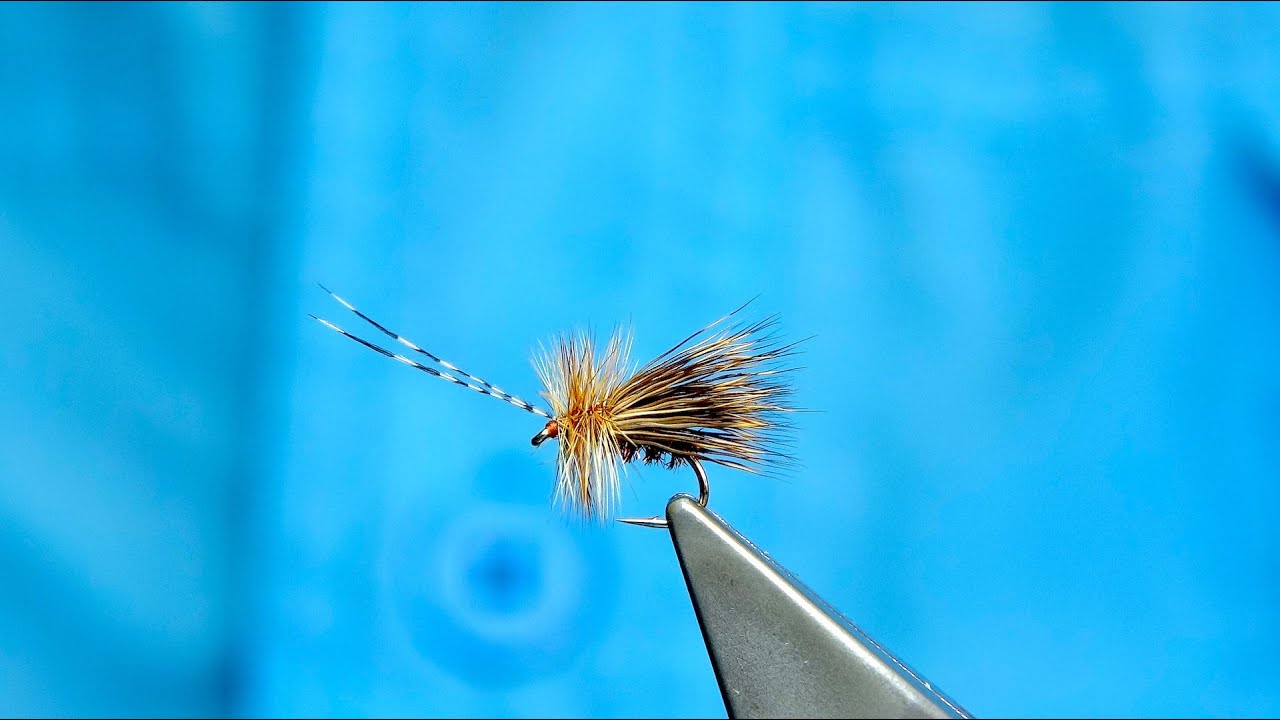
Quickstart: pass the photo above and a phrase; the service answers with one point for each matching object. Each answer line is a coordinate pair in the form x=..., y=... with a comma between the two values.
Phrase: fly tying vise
x=718, y=397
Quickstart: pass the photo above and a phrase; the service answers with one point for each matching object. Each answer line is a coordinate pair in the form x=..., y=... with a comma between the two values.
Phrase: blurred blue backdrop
x=1039, y=247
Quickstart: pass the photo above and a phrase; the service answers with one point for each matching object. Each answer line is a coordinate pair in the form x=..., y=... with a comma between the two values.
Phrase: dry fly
x=718, y=396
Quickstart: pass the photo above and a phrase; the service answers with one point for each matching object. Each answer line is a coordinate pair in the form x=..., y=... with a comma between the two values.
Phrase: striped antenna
x=483, y=387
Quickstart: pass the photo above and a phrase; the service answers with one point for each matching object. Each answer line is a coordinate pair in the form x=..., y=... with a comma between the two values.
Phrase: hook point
x=649, y=522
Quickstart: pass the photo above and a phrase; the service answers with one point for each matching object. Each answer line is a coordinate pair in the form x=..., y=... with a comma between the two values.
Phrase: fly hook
x=704, y=493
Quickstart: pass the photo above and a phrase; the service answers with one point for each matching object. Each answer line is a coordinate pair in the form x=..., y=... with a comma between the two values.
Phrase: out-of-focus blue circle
x=498, y=591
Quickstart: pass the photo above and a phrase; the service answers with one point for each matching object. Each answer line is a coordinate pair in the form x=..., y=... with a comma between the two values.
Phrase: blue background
x=1038, y=245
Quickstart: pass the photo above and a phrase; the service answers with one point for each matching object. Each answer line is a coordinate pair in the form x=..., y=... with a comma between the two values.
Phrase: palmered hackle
x=716, y=397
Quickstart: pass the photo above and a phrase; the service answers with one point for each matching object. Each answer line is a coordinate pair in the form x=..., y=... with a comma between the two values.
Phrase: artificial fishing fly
x=717, y=396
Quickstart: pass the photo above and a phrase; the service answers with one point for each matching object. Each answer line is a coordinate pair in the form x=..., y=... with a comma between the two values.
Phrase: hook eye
x=551, y=430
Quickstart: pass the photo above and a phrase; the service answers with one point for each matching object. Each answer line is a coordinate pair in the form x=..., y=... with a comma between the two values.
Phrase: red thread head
x=551, y=430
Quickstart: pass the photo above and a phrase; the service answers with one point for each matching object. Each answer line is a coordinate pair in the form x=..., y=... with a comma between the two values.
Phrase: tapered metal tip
x=778, y=650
